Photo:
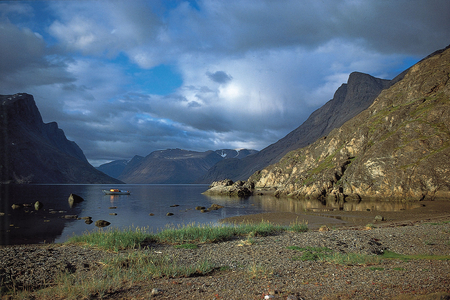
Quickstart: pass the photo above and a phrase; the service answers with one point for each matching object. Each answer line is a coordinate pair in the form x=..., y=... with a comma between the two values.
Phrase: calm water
x=26, y=225
x=48, y=225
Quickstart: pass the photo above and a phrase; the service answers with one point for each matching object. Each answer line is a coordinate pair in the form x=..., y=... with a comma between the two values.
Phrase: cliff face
x=34, y=152
x=398, y=148
x=348, y=101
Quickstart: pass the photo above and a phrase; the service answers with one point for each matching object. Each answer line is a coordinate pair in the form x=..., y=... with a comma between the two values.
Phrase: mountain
x=190, y=163
x=36, y=152
x=170, y=166
x=113, y=168
x=398, y=148
x=349, y=100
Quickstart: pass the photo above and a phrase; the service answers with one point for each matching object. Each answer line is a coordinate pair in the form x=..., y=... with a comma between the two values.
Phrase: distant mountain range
x=34, y=152
x=170, y=166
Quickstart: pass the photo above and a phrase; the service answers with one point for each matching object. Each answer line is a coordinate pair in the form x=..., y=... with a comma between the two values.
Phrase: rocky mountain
x=399, y=147
x=113, y=168
x=189, y=163
x=36, y=152
x=349, y=100
x=169, y=166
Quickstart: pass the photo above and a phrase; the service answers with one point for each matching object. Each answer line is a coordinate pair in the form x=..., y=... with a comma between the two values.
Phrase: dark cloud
x=83, y=61
x=219, y=77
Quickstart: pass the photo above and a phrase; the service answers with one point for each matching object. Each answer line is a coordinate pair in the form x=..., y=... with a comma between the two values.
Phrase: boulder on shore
x=227, y=187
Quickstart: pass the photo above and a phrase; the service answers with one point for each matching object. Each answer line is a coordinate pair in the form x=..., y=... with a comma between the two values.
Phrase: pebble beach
x=270, y=267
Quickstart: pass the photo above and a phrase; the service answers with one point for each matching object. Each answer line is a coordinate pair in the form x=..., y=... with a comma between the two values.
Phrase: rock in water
x=38, y=205
x=101, y=223
x=73, y=199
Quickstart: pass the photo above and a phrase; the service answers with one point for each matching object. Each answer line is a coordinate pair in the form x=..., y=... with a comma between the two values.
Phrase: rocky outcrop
x=349, y=100
x=398, y=148
x=227, y=187
x=36, y=152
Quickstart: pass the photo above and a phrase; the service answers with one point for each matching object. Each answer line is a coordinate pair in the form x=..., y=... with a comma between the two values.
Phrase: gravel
x=264, y=267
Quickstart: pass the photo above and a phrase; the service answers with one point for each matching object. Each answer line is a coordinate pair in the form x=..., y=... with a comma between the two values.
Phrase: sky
x=125, y=78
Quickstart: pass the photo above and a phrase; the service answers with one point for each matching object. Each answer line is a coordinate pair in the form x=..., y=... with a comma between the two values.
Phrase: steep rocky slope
x=398, y=148
x=34, y=152
x=348, y=101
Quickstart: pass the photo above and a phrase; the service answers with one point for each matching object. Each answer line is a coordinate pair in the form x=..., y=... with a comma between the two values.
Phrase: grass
x=259, y=271
x=193, y=233
x=325, y=254
x=311, y=253
x=120, y=271
x=393, y=255
x=114, y=239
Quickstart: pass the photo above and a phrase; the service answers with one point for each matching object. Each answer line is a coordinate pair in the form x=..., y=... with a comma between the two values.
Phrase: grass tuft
x=113, y=238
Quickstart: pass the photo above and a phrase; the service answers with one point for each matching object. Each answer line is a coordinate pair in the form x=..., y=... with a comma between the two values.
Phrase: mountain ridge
x=349, y=99
x=173, y=166
x=36, y=152
x=398, y=148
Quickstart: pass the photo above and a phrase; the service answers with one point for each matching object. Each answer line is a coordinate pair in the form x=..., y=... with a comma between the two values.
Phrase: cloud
x=219, y=77
x=130, y=77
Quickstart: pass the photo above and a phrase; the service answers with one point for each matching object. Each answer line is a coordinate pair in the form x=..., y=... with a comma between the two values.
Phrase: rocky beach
x=268, y=267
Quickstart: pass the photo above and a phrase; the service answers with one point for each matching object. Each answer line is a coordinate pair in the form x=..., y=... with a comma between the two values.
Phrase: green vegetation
x=311, y=253
x=393, y=255
x=119, y=271
x=325, y=254
x=114, y=239
x=298, y=226
x=193, y=233
x=259, y=271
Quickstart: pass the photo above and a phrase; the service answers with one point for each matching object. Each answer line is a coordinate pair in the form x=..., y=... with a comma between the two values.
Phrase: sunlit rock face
x=398, y=148
x=36, y=152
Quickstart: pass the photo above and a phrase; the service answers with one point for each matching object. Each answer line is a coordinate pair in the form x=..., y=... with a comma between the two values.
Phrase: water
x=47, y=225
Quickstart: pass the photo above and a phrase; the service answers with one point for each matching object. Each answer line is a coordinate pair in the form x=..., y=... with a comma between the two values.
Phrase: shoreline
x=266, y=265
x=422, y=211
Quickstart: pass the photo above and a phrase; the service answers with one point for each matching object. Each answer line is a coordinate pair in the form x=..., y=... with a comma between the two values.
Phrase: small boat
x=115, y=192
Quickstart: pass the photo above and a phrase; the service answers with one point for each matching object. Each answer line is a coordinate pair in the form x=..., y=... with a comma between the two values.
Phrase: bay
x=147, y=207
x=48, y=224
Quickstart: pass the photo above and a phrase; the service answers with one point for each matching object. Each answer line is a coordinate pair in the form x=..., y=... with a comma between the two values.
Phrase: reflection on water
x=306, y=205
